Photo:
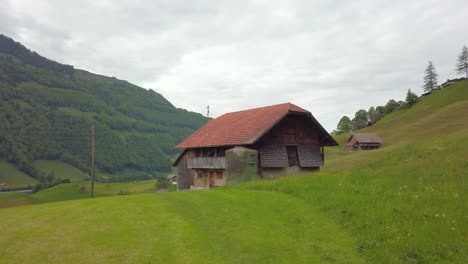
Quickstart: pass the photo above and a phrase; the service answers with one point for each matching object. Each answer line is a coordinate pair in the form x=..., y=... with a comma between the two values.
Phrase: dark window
x=292, y=155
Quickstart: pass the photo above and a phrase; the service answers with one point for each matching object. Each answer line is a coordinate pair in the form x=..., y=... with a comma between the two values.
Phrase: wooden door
x=292, y=156
x=211, y=177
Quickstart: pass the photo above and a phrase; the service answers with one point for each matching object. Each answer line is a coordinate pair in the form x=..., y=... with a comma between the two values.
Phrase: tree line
x=363, y=118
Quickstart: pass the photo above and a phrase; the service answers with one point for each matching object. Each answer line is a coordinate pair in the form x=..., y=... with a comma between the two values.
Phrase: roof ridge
x=263, y=107
x=242, y=127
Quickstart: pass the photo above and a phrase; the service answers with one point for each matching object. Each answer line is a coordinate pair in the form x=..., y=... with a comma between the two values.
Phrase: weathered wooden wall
x=183, y=173
x=273, y=156
x=291, y=131
x=309, y=155
x=207, y=163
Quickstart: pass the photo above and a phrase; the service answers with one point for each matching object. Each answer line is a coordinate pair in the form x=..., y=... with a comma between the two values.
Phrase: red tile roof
x=245, y=127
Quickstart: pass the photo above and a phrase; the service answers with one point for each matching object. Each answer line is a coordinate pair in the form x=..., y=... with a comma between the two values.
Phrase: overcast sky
x=330, y=57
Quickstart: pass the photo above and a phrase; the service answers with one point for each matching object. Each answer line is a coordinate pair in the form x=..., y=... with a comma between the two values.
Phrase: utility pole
x=207, y=111
x=93, y=141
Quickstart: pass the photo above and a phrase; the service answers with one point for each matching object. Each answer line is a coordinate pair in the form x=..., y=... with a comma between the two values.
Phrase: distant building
x=452, y=81
x=172, y=178
x=264, y=142
x=363, y=142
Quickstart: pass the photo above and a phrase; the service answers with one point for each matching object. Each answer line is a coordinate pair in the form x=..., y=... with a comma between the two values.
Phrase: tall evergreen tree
x=462, y=64
x=430, y=79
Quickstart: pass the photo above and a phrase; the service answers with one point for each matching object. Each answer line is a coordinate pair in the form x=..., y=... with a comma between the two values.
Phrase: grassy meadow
x=77, y=190
x=60, y=170
x=13, y=177
x=404, y=203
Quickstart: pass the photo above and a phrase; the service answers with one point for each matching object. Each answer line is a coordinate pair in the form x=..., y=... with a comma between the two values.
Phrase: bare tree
x=462, y=63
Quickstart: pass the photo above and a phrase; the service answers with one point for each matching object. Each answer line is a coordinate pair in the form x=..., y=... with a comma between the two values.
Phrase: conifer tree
x=430, y=79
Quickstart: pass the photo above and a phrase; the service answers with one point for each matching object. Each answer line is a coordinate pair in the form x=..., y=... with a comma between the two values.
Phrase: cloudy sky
x=330, y=57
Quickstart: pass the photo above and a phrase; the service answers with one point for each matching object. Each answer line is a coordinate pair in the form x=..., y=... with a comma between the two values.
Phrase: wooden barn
x=265, y=142
x=363, y=142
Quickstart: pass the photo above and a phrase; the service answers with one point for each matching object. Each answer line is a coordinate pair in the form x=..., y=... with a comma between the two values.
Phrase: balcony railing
x=207, y=163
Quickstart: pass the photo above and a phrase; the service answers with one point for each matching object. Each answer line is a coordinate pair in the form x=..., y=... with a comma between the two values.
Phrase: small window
x=219, y=175
x=252, y=158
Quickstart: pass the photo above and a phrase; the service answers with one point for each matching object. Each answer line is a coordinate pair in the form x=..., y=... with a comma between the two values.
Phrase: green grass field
x=77, y=190
x=404, y=203
x=192, y=227
x=60, y=169
x=14, y=177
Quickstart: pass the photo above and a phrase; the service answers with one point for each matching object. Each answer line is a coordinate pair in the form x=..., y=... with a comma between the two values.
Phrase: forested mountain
x=47, y=110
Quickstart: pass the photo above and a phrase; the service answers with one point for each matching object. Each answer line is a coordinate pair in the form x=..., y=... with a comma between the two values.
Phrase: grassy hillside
x=79, y=190
x=408, y=201
x=404, y=203
x=13, y=177
x=60, y=169
x=47, y=110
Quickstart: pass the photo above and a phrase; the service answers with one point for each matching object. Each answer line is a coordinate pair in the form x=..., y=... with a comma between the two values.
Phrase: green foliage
x=430, y=79
x=462, y=63
x=374, y=115
x=47, y=110
x=163, y=184
x=390, y=107
x=49, y=182
x=344, y=126
x=360, y=120
x=411, y=98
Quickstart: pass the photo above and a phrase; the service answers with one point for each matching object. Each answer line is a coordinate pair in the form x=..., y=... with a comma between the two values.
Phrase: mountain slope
x=47, y=110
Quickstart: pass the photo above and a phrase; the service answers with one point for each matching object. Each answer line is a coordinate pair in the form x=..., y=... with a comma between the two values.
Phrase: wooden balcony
x=207, y=163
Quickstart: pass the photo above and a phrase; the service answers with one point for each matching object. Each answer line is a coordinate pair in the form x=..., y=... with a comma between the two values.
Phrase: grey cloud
x=327, y=56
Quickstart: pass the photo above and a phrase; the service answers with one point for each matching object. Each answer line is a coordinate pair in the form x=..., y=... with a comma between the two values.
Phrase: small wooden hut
x=363, y=142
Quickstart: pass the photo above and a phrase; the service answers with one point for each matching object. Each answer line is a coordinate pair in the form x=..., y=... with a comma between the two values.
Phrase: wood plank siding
x=207, y=163
x=309, y=155
x=273, y=156
x=295, y=131
x=183, y=173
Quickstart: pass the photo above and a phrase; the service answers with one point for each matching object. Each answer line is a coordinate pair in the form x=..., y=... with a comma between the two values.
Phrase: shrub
x=163, y=184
